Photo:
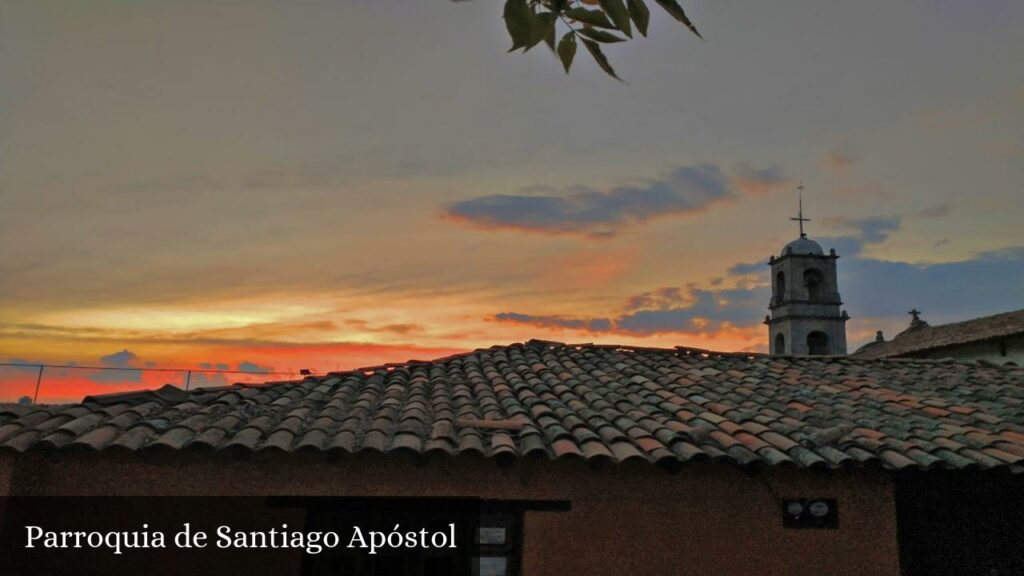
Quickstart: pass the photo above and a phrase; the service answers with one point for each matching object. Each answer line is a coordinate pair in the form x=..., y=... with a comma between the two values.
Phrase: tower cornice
x=776, y=259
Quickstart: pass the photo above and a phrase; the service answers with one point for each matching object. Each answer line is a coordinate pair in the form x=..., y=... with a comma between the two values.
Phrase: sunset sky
x=273, y=185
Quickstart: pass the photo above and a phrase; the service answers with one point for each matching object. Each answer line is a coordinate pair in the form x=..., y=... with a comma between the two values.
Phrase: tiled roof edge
x=171, y=394
x=911, y=342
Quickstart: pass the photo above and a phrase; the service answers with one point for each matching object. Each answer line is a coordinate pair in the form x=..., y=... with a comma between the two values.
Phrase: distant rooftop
x=921, y=337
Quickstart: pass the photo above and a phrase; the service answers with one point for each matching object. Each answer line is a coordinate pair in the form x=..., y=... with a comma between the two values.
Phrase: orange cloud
x=588, y=269
x=398, y=328
x=838, y=162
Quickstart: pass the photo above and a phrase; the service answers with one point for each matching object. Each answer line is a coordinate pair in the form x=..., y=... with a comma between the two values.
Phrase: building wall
x=632, y=518
x=6, y=471
x=991, y=351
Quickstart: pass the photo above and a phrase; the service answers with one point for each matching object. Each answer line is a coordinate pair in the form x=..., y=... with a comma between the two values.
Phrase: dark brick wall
x=627, y=519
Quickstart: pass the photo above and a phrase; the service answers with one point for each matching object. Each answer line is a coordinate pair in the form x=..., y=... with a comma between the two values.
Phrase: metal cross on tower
x=800, y=215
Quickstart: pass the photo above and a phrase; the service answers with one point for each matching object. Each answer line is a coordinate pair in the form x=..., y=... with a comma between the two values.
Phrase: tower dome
x=803, y=246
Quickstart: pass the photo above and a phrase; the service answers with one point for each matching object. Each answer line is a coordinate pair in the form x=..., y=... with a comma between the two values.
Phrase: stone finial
x=915, y=322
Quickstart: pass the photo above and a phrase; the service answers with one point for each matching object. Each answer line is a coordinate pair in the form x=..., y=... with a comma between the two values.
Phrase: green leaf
x=677, y=12
x=549, y=38
x=616, y=11
x=592, y=17
x=640, y=14
x=595, y=50
x=567, y=50
x=519, y=22
x=600, y=35
x=543, y=26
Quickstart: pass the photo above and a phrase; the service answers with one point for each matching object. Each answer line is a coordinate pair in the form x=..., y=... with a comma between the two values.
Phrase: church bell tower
x=805, y=307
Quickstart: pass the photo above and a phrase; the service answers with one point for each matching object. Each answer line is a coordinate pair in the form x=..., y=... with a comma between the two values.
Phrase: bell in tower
x=805, y=306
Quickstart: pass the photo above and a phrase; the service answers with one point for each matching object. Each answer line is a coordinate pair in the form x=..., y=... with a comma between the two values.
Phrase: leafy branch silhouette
x=530, y=22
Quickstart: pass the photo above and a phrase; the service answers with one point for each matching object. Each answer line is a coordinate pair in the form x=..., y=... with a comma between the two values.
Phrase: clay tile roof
x=598, y=403
x=928, y=338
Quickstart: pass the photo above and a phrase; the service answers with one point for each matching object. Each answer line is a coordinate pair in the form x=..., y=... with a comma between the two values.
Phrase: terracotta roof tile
x=473, y=443
x=833, y=456
x=807, y=458
x=245, y=440
x=774, y=457
x=175, y=439
x=9, y=430
x=1016, y=449
x=742, y=456
x=532, y=445
x=408, y=442
x=210, y=438
x=279, y=440
x=624, y=451
x=134, y=439
x=984, y=460
x=599, y=403
x=57, y=439
x=100, y=437
x=779, y=441
x=23, y=441
x=1002, y=455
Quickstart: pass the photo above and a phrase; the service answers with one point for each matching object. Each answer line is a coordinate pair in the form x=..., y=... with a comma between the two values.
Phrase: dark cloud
x=584, y=211
x=864, y=231
x=124, y=359
x=121, y=359
x=757, y=181
x=693, y=309
x=246, y=366
x=747, y=268
x=32, y=368
x=664, y=310
x=207, y=380
x=556, y=322
x=659, y=299
x=989, y=282
x=876, y=229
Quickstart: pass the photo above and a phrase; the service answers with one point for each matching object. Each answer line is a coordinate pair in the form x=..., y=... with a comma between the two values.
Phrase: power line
x=203, y=370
